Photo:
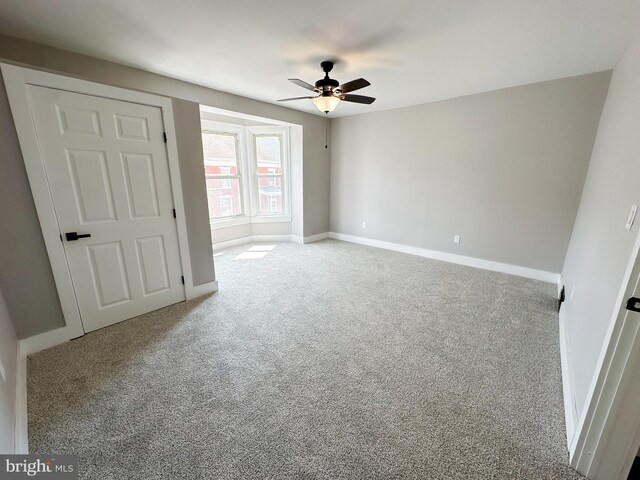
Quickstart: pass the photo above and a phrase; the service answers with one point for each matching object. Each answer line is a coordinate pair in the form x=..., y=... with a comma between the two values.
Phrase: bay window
x=246, y=171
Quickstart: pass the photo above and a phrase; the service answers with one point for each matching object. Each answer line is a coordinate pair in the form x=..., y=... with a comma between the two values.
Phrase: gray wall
x=315, y=179
x=189, y=140
x=503, y=169
x=600, y=245
x=25, y=273
x=8, y=356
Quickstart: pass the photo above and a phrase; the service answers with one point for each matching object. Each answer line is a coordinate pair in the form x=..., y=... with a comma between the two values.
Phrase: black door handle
x=633, y=304
x=71, y=236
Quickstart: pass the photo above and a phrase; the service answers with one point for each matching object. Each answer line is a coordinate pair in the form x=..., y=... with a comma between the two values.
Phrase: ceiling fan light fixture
x=327, y=103
x=329, y=92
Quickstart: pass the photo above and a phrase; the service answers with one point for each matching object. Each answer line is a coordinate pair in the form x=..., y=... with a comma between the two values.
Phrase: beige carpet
x=323, y=361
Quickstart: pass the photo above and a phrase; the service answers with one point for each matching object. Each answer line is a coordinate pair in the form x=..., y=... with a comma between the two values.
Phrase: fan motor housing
x=329, y=87
x=327, y=83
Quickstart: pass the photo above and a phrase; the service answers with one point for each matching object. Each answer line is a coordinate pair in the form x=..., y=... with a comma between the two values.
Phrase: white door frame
x=16, y=80
x=607, y=437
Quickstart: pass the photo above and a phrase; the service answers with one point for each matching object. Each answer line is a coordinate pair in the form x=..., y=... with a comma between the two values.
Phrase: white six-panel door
x=108, y=174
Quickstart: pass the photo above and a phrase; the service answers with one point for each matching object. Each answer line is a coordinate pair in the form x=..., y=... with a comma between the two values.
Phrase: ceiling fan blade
x=303, y=84
x=294, y=98
x=353, y=85
x=358, y=99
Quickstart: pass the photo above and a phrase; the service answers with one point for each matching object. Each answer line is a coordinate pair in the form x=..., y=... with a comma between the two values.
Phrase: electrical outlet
x=364, y=225
x=456, y=239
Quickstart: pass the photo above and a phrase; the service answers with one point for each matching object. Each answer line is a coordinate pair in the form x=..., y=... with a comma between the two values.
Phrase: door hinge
x=61, y=238
x=174, y=213
x=164, y=135
x=182, y=277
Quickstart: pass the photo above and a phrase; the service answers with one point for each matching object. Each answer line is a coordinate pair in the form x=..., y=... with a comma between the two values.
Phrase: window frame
x=237, y=131
x=269, y=131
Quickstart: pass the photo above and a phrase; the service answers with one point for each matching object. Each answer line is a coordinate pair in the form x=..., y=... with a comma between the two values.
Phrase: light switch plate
x=3, y=374
x=632, y=217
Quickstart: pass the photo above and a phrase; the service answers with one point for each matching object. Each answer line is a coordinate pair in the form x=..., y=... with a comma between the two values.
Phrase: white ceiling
x=412, y=52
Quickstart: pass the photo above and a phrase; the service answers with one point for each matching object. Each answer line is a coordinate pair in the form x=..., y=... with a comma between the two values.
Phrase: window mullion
x=245, y=174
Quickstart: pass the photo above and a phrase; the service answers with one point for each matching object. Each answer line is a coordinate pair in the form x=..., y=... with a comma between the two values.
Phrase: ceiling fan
x=330, y=92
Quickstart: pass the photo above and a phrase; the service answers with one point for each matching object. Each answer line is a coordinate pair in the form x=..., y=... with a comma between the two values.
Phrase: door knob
x=633, y=304
x=71, y=236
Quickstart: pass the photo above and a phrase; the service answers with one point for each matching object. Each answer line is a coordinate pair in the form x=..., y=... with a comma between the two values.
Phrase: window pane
x=220, y=156
x=270, y=195
x=224, y=197
x=268, y=154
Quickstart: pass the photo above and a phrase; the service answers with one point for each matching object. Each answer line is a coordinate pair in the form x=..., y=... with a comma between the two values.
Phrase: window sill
x=234, y=222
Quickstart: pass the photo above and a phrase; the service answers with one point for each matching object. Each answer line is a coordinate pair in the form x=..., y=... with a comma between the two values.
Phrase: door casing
x=600, y=448
x=16, y=79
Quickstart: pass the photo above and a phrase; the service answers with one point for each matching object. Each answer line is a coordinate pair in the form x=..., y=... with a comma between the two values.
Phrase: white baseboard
x=316, y=238
x=570, y=413
x=21, y=437
x=269, y=238
x=250, y=239
x=232, y=243
x=43, y=341
x=453, y=258
x=310, y=238
x=26, y=347
x=204, y=289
